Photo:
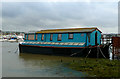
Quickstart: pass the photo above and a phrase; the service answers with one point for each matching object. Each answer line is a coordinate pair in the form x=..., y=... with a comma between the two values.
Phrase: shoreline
x=96, y=67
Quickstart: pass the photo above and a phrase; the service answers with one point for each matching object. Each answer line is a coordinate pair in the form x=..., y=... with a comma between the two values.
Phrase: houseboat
x=83, y=42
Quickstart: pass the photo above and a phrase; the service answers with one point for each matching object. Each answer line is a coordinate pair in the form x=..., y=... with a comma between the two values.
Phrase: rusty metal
x=116, y=46
x=116, y=42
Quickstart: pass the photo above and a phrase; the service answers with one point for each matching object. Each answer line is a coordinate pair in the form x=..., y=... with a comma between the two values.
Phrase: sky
x=35, y=16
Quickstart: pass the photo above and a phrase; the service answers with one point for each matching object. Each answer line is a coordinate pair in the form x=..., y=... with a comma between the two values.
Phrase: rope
x=102, y=53
x=16, y=50
x=78, y=51
x=97, y=52
x=88, y=53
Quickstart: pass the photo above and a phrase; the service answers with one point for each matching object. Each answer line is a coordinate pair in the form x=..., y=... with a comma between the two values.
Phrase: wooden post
x=97, y=52
x=113, y=53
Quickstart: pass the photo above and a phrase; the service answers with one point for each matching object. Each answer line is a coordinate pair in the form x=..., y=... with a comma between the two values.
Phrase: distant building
x=107, y=38
x=10, y=32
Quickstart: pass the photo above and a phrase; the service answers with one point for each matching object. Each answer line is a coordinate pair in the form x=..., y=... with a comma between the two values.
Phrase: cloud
x=60, y=0
x=0, y=16
x=26, y=16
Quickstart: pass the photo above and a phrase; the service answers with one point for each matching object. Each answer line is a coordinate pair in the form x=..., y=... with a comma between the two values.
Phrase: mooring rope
x=88, y=53
x=77, y=52
x=102, y=52
x=97, y=51
x=16, y=50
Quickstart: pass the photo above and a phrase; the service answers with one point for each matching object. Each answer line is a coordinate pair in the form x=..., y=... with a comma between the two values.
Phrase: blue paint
x=77, y=37
x=92, y=39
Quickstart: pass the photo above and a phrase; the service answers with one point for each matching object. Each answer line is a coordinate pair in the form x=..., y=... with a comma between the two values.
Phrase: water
x=0, y=59
x=34, y=65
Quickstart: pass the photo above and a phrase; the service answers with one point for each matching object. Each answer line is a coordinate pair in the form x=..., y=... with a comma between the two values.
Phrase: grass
x=97, y=67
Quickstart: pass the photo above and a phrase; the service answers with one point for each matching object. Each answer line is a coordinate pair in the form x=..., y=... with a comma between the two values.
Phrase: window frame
x=42, y=37
x=82, y=34
x=69, y=36
x=51, y=37
x=59, y=38
x=33, y=37
x=25, y=36
x=36, y=36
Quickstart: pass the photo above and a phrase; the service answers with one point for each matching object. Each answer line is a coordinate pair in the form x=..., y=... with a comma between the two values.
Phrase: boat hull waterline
x=92, y=52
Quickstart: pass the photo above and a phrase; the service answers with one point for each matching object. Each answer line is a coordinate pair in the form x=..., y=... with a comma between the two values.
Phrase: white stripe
x=56, y=43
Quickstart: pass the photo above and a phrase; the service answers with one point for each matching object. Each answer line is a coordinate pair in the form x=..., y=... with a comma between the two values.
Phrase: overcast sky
x=27, y=16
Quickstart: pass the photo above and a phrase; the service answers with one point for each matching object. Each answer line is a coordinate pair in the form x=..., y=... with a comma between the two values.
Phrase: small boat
x=12, y=40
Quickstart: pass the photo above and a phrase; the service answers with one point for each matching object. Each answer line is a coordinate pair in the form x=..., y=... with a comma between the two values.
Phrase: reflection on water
x=34, y=65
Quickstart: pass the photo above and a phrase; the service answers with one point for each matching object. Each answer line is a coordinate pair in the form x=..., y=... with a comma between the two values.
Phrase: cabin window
x=25, y=36
x=59, y=37
x=30, y=36
x=71, y=36
x=36, y=36
x=82, y=34
x=51, y=37
x=42, y=37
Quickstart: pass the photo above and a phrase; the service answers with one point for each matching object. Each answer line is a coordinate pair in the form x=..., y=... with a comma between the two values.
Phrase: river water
x=15, y=64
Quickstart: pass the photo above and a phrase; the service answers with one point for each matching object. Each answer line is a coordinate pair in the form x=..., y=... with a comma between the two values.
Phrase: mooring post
x=113, y=51
x=97, y=51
